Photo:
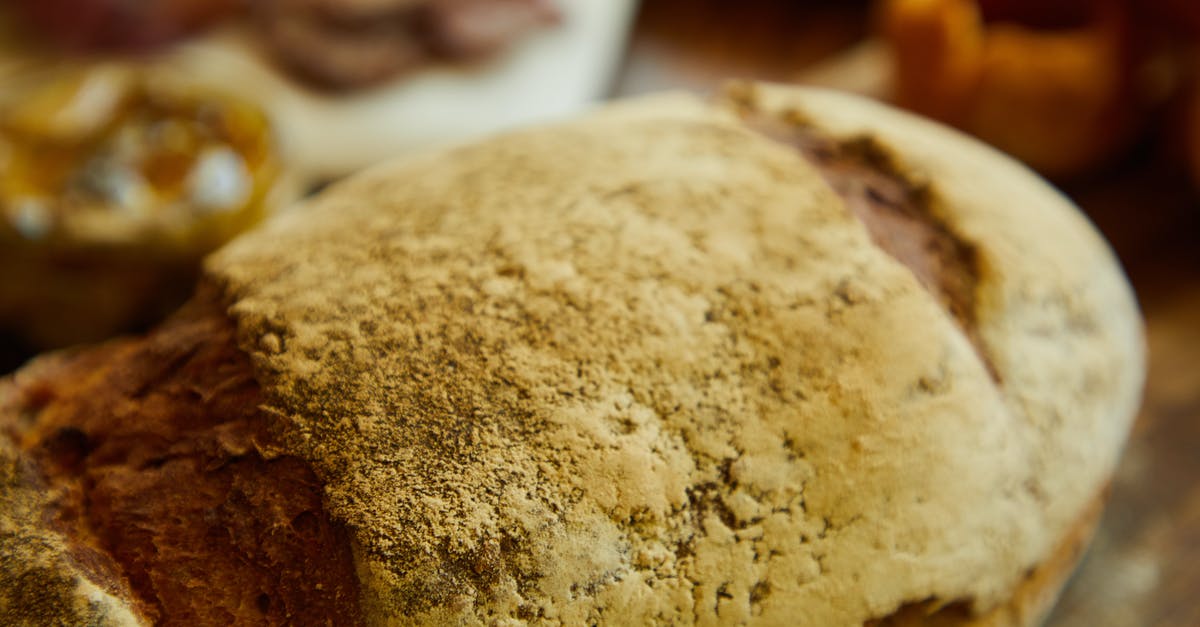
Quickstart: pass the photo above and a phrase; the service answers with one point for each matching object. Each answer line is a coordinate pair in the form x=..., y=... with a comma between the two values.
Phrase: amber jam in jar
x=114, y=182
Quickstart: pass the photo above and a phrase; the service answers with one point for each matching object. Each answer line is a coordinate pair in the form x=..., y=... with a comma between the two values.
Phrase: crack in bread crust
x=901, y=215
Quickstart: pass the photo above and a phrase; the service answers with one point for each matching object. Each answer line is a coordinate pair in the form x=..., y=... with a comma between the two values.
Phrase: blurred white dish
x=545, y=75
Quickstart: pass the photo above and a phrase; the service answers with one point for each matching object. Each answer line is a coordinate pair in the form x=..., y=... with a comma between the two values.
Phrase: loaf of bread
x=789, y=357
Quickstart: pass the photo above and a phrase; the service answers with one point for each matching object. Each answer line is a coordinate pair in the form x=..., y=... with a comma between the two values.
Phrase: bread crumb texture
x=646, y=368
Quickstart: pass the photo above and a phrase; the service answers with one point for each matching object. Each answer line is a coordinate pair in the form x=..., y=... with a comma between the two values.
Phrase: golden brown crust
x=1032, y=599
x=648, y=367
x=165, y=477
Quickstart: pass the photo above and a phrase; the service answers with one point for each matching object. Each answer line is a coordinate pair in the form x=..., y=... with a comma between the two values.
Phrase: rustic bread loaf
x=790, y=358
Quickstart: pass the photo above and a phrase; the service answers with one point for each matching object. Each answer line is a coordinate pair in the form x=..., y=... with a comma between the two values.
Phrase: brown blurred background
x=1133, y=181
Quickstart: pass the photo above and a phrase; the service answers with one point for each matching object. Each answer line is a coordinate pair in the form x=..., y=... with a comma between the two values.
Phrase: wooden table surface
x=1144, y=566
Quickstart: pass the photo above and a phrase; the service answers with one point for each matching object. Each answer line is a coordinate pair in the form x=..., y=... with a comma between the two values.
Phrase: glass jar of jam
x=114, y=182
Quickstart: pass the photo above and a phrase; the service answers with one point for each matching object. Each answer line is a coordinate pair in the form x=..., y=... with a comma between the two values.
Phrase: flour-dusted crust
x=646, y=367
